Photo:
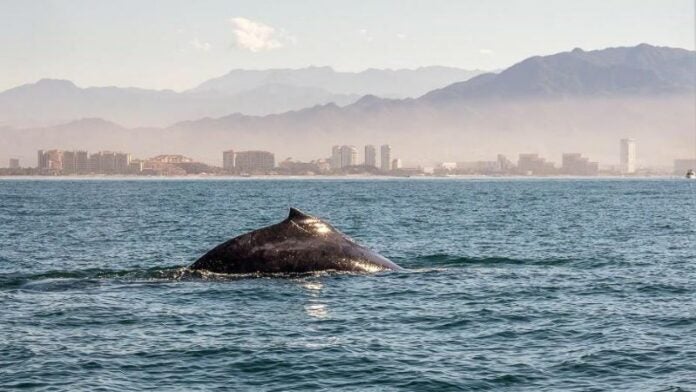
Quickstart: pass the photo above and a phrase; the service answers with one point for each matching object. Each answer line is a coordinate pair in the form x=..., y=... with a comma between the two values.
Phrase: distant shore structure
x=228, y=160
x=627, y=156
x=343, y=156
x=370, y=156
x=344, y=160
x=385, y=157
x=254, y=161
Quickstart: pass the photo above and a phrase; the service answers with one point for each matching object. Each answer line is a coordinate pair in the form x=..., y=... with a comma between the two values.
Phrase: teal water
x=510, y=285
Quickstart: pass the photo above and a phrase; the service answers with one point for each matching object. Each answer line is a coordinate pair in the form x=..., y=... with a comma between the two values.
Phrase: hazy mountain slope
x=49, y=102
x=641, y=70
x=382, y=82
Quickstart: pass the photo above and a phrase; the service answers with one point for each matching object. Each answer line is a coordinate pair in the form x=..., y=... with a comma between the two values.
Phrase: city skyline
x=80, y=162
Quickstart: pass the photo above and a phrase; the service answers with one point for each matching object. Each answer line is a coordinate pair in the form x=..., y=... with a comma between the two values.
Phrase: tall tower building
x=41, y=160
x=228, y=160
x=82, y=162
x=628, y=156
x=385, y=157
x=349, y=156
x=370, y=155
x=335, y=157
x=69, y=162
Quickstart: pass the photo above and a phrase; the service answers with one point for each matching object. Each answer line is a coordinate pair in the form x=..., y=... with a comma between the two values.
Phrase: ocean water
x=553, y=284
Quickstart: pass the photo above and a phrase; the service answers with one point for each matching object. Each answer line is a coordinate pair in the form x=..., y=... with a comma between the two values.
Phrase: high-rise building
x=135, y=166
x=254, y=161
x=336, y=157
x=349, y=156
x=370, y=155
x=75, y=162
x=228, y=160
x=69, y=162
x=628, y=156
x=396, y=164
x=109, y=162
x=40, y=159
x=385, y=157
x=533, y=164
x=14, y=163
x=575, y=164
x=50, y=160
x=504, y=164
x=81, y=162
x=121, y=162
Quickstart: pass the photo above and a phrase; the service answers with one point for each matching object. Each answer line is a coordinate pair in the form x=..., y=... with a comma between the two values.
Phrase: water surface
x=510, y=285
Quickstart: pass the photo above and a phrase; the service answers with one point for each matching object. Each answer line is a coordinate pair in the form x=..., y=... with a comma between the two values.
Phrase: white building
x=349, y=156
x=343, y=156
x=628, y=156
x=396, y=164
x=385, y=157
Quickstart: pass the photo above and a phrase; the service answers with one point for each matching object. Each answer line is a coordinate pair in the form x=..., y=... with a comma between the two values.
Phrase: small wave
x=57, y=280
x=450, y=261
x=70, y=280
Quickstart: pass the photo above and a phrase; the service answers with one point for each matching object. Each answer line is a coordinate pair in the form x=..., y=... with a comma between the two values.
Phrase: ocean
x=509, y=285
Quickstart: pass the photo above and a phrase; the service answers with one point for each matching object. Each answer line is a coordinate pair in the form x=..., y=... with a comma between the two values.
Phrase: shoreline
x=329, y=177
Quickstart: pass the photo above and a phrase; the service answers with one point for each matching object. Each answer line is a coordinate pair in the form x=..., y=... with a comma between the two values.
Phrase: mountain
x=388, y=83
x=577, y=101
x=639, y=70
x=49, y=101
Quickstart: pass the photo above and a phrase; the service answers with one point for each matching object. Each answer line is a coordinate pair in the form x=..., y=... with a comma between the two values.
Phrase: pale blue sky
x=178, y=44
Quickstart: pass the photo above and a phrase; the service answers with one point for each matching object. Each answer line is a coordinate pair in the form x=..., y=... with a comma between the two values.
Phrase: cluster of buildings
x=572, y=164
x=81, y=162
x=347, y=156
x=344, y=159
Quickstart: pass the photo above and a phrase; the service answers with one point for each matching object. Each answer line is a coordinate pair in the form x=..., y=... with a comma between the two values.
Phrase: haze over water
x=510, y=285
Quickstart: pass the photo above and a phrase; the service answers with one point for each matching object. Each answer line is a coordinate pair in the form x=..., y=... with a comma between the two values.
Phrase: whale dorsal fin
x=297, y=214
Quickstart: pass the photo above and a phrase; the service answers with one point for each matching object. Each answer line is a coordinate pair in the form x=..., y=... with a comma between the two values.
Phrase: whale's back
x=300, y=243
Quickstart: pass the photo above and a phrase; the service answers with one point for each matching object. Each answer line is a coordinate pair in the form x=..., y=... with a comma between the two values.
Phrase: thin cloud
x=255, y=36
x=202, y=46
x=366, y=35
x=487, y=52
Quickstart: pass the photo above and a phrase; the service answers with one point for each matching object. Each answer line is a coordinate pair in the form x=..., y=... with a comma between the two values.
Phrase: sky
x=174, y=44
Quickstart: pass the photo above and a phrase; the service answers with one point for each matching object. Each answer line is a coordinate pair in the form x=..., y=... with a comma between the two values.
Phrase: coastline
x=331, y=178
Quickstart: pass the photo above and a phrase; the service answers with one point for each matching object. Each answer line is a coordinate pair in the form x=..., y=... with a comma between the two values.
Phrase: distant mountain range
x=401, y=83
x=577, y=101
x=639, y=70
x=50, y=102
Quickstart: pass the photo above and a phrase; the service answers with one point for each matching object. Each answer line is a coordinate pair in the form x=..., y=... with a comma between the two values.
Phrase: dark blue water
x=511, y=285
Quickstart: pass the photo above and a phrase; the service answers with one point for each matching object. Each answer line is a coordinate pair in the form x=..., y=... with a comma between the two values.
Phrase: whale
x=301, y=243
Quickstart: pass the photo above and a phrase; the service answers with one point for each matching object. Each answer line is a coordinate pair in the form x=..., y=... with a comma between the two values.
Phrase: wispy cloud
x=366, y=35
x=487, y=52
x=199, y=45
x=255, y=36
